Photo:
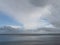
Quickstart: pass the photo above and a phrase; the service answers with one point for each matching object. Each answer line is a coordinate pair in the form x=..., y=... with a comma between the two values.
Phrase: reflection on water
x=30, y=40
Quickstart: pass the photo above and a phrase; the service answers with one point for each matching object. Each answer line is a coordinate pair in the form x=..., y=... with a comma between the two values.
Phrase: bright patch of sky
x=7, y=20
x=45, y=23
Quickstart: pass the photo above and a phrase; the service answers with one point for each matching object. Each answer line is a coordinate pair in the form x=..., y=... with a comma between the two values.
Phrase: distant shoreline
x=32, y=34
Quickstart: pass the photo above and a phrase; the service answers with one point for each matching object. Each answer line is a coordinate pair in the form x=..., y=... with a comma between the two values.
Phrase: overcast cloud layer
x=30, y=12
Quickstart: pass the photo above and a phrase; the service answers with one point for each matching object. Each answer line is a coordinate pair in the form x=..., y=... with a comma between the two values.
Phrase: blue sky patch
x=7, y=20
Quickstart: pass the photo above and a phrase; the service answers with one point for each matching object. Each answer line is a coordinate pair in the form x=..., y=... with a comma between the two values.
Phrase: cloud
x=10, y=29
x=39, y=3
x=54, y=18
x=26, y=12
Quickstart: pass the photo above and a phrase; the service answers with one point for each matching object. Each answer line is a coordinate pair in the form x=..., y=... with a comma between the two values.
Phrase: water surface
x=30, y=40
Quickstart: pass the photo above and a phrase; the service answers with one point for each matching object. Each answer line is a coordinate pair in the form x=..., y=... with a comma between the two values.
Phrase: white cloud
x=16, y=27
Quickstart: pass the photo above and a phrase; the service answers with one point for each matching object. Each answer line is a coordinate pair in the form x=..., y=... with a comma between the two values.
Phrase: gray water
x=30, y=40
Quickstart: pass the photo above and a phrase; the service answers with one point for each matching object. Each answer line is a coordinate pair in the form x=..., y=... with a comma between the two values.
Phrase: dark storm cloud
x=39, y=3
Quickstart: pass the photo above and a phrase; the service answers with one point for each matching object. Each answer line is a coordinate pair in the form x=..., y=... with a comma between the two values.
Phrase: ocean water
x=30, y=40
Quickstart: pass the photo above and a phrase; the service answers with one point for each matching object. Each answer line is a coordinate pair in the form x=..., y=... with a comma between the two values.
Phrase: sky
x=6, y=20
x=31, y=13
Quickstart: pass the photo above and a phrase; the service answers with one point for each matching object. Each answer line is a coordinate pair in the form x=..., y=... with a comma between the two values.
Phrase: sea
x=30, y=39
